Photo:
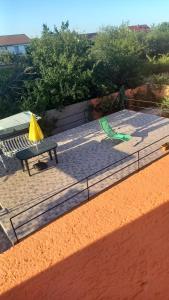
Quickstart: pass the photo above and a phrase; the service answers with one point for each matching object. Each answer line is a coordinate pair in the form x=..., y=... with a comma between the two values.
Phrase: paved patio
x=82, y=151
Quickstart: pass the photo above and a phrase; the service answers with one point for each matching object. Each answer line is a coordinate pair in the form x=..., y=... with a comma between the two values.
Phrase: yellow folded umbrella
x=35, y=132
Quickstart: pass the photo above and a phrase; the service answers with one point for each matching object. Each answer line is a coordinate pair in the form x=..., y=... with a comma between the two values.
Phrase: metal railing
x=88, y=186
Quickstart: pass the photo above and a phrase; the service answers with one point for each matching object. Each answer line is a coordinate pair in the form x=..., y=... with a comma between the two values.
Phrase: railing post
x=14, y=231
x=138, y=162
x=87, y=187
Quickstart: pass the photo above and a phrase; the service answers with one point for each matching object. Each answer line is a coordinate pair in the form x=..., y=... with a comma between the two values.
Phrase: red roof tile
x=17, y=39
x=139, y=27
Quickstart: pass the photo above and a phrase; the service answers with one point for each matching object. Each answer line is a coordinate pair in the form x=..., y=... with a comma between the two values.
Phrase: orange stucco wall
x=114, y=247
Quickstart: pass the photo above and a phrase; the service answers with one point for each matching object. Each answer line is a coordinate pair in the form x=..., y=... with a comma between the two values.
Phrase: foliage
x=11, y=82
x=118, y=51
x=10, y=91
x=162, y=78
x=108, y=105
x=163, y=59
x=6, y=58
x=164, y=105
x=156, y=40
x=101, y=81
x=5, y=74
x=156, y=65
x=63, y=67
x=105, y=106
x=121, y=101
x=165, y=102
x=8, y=107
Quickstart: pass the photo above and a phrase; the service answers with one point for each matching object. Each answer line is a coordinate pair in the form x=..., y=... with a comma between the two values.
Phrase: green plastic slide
x=111, y=134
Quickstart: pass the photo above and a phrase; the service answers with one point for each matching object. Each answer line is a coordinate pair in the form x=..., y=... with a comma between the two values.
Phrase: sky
x=27, y=16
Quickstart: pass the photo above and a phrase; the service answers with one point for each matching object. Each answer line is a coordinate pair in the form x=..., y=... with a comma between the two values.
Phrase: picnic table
x=43, y=147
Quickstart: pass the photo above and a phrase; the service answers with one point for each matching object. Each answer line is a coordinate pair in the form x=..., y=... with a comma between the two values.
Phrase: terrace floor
x=82, y=151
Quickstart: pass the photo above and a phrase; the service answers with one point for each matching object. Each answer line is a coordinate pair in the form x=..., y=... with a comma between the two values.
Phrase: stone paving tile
x=82, y=151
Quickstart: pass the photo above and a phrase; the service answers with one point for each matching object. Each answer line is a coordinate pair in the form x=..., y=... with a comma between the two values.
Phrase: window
x=16, y=49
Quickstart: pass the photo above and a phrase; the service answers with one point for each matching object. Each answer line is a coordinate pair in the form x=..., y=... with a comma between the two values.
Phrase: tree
x=11, y=70
x=6, y=58
x=63, y=67
x=157, y=40
x=118, y=53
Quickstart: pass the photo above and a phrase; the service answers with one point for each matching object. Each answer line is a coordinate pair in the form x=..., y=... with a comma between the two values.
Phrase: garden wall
x=74, y=115
x=69, y=117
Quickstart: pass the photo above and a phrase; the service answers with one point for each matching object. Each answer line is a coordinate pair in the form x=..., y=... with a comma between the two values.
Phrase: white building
x=15, y=44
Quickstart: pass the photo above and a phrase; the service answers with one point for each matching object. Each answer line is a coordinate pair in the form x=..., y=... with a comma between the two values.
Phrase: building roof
x=16, y=39
x=139, y=27
x=90, y=36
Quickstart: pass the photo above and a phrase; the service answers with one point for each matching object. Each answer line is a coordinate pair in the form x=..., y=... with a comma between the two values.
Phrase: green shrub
x=8, y=107
x=6, y=73
x=162, y=78
x=121, y=102
x=165, y=103
x=156, y=40
x=108, y=105
x=163, y=59
x=154, y=65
